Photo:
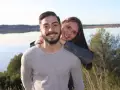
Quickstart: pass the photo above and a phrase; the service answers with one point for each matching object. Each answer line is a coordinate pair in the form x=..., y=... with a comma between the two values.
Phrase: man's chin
x=52, y=42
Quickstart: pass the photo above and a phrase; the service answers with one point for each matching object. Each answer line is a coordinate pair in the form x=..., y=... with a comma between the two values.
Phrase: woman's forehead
x=73, y=25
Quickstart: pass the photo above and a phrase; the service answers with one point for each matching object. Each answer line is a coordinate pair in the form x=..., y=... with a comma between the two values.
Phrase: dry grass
x=96, y=80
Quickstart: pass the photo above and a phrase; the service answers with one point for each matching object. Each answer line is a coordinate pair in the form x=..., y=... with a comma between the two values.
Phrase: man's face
x=50, y=29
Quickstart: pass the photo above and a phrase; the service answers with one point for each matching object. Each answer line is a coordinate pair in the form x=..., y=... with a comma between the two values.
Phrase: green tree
x=2, y=81
x=106, y=48
x=14, y=65
x=10, y=79
x=104, y=45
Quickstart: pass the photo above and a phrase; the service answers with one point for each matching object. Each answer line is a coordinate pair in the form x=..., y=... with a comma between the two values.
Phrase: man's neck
x=51, y=48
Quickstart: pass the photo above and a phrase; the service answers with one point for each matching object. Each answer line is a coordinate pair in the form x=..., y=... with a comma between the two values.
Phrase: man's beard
x=51, y=42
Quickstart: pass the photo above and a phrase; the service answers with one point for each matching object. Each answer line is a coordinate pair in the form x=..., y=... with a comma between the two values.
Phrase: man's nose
x=50, y=29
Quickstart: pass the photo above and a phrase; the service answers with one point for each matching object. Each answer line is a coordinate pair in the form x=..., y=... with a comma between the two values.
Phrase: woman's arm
x=85, y=55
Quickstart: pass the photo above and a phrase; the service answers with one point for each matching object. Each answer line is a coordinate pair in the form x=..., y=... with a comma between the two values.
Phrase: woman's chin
x=62, y=38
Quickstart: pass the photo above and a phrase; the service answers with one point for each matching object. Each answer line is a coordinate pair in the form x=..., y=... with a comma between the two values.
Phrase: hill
x=28, y=28
x=18, y=28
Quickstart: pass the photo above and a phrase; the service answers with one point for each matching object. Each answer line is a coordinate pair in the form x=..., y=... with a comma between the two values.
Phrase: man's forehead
x=49, y=19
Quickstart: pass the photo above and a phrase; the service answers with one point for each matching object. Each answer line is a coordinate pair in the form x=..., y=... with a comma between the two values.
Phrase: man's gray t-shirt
x=50, y=71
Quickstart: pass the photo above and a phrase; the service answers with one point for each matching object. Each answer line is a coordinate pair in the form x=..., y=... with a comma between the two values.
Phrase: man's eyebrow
x=45, y=24
x=52, y=23
x=55, y=22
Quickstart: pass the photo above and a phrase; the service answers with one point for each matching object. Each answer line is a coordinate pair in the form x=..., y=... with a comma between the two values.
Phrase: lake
x=13, y=44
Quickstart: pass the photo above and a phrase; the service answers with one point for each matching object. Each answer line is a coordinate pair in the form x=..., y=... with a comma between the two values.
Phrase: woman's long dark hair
x=79, y=40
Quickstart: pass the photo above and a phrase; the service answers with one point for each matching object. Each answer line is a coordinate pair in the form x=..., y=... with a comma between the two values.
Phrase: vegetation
x=105, y=74
x=106, y=68
x=4, y=29
x=10, y=79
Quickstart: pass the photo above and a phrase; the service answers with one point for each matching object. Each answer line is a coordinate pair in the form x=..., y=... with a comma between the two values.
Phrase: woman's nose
x=69, y=32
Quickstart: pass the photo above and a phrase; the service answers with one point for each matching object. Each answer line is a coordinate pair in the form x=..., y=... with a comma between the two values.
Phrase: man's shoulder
x=70, y=57
x=30, y=51
x=28, y=55
x=69, y=54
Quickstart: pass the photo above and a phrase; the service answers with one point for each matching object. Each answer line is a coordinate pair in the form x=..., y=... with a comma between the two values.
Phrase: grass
x=96, y=80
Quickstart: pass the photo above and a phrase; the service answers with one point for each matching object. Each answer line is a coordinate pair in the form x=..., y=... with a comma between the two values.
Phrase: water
x=13, y=44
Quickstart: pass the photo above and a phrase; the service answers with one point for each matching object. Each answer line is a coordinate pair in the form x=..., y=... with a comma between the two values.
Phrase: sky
x=89, y=11
x=28, y=11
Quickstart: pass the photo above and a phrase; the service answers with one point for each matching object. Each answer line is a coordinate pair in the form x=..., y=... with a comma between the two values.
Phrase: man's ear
x=40, y=27
x=60, y=25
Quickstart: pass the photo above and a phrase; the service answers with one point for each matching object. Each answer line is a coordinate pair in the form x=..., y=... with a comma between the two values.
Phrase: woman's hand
x=39, y=40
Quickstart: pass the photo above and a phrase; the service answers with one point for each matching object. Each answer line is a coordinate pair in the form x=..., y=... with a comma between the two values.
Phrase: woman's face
x=69, y=30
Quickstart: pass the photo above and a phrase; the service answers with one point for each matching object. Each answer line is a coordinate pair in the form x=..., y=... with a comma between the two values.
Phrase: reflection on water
x=17, y=39
x=8, y=52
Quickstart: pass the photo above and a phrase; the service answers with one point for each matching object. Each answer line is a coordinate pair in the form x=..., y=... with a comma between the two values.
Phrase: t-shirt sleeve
x=26, y=72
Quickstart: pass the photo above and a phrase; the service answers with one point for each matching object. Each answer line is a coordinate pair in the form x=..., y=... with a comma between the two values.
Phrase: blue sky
x=89, y=11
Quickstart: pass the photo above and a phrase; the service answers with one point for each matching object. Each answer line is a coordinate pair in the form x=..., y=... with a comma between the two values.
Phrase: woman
x=72, y=37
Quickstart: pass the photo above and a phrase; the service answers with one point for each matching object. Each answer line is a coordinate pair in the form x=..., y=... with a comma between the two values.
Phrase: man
x=48, y=67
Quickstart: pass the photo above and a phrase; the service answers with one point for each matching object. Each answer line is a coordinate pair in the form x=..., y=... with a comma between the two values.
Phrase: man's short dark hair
x=46, y=14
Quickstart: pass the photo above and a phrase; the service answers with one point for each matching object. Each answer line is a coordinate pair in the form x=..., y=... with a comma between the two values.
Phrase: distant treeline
x=28, y=28
x=18, y=28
